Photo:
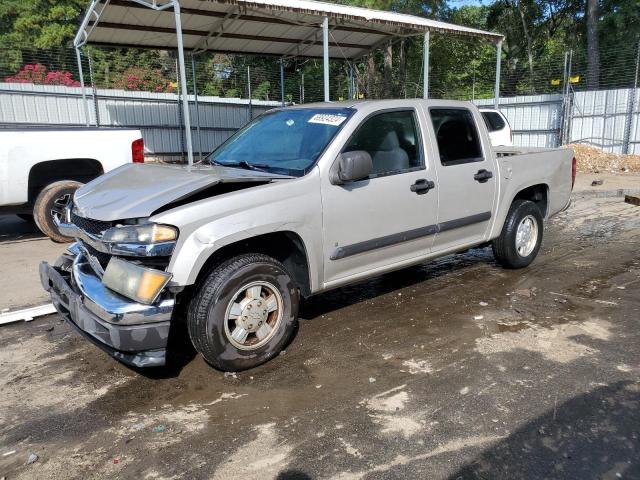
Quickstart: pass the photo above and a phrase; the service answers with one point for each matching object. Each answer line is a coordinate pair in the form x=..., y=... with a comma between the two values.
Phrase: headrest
x=389, y=142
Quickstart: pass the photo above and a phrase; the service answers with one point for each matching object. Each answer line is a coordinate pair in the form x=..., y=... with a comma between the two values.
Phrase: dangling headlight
x=147, y=233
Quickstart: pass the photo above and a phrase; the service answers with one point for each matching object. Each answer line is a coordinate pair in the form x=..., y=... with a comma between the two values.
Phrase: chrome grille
x=102, y=258
x=94, y=227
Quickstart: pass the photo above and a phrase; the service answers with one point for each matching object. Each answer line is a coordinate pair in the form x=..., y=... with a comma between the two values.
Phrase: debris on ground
x=632, y=200
x=159, y=429
x=33, y=458
x=484, y=304
x=594, y=160
x=597, y=183
x=372, y=380
x=230, y=375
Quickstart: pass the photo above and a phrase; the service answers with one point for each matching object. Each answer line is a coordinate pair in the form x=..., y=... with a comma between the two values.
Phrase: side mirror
x=351, y=167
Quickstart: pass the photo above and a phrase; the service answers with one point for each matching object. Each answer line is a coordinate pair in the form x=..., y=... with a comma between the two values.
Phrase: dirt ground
x=452, y=369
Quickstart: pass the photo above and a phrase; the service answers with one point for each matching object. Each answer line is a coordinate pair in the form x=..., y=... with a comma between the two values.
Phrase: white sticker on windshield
x=327, y=119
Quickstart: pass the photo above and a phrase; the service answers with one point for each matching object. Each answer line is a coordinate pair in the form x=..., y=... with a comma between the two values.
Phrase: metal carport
x=285, y=28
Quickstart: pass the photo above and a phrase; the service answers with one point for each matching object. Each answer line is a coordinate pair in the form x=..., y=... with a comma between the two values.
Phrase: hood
x=138, y=190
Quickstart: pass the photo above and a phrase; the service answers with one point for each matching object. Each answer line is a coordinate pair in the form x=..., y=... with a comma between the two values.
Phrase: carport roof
x=261, y=27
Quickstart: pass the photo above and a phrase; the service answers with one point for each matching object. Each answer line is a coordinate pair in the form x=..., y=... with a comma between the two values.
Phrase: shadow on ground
x=595, y=435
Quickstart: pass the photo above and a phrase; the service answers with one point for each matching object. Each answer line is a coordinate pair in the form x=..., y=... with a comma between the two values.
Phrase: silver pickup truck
x=300, y=201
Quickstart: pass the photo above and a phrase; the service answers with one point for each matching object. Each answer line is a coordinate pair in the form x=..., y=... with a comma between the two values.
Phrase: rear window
x=493, y=120
x=457, y=135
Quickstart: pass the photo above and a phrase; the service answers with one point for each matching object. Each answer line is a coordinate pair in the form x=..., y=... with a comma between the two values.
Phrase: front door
x=389, y=218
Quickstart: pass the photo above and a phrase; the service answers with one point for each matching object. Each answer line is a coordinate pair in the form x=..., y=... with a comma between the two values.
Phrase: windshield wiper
x=245, y=165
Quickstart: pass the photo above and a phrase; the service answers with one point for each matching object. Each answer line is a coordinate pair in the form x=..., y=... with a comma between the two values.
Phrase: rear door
x=466, y=178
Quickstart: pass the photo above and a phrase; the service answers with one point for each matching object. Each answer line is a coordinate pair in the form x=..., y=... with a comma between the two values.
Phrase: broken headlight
x=136, y=282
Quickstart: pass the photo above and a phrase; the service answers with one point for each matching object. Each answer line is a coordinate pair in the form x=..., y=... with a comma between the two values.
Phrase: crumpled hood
x=137, y=190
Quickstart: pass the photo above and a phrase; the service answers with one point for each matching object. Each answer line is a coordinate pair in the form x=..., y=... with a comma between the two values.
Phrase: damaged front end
x=112, y=286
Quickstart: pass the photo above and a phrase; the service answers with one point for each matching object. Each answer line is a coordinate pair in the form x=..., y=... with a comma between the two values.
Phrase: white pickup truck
x=40, y=169
x=300, y=201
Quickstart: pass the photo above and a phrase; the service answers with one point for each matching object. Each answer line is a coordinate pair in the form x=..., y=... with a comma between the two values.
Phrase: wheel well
x=286, y=247
x=45, y=173
x=538, y=194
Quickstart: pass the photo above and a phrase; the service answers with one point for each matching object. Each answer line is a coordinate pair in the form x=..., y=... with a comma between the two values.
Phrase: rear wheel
x=49, y=207
x=521, y=236
x=244, y=313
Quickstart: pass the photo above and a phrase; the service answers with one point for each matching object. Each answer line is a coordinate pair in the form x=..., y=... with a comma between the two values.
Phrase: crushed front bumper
x=131, y=332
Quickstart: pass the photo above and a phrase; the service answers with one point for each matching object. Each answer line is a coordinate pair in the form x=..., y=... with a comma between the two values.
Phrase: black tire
x=49, y=202
x=504, y=247
x=26, y=217
x=207, y=314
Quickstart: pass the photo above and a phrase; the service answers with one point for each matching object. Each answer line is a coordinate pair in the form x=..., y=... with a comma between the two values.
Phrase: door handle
x=483, y=176
x=422, y=186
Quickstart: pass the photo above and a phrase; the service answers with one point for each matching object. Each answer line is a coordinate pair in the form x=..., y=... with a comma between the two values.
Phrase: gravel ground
x=452, y=369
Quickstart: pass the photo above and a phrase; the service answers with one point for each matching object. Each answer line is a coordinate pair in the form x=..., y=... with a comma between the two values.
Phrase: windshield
x=284, y=141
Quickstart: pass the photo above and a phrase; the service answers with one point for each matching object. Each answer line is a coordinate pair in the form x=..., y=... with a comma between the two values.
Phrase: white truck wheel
x=49, y=204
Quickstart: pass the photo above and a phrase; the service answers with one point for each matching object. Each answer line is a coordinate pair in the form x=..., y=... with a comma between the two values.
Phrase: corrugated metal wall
x=535, y=119
x=158, y=115
x=609, y=119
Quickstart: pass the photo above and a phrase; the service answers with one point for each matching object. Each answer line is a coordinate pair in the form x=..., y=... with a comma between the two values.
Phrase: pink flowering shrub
x=38, y=74
x=143, y=79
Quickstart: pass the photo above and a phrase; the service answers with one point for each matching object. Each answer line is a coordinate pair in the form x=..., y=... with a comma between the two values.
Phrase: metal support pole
x=282, y=82
x=84, y=94
x=94, y=92
x=302, y=90
x=425, y=64
x=632, y=104
x=352, y=94
x=249, y=91
x=325, y=56
x=183, y=83
x=195, y=98
x=496, y=93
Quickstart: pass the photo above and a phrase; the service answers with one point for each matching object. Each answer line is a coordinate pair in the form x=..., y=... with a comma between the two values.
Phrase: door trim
x=406, y=236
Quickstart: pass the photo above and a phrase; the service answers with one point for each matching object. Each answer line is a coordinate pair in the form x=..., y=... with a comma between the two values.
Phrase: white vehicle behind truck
x=40, y=169
x=500, y=132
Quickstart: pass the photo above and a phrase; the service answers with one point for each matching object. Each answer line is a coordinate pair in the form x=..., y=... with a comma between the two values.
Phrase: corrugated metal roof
x=273, y=27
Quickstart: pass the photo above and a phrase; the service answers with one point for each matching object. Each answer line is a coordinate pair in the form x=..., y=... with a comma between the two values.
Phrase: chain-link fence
x=140, y=87
x=460, y=68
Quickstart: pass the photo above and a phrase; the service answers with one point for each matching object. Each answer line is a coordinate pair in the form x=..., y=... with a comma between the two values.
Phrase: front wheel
x=244, y=312
x=521, y=236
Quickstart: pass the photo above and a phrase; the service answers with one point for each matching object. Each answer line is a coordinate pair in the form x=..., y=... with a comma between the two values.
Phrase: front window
x=284, y=141
x=391, y=138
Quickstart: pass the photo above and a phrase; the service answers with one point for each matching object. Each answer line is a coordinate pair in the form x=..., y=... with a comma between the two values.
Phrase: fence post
x=93, y=91
x=250, y=96
x=632, y=104
x=282, y=81
x=195, y=99
x=565, y=120
x=496, y=99
x=179, y=94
